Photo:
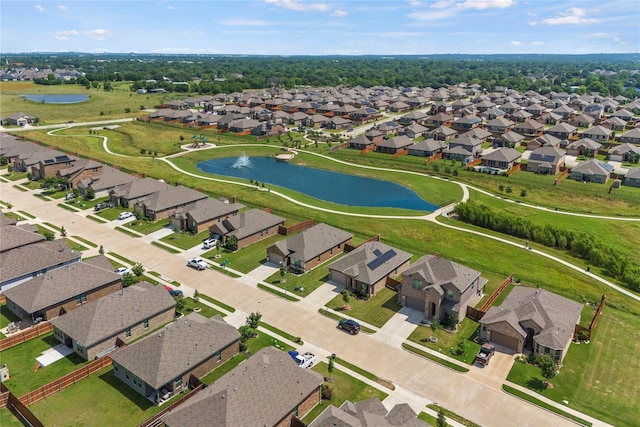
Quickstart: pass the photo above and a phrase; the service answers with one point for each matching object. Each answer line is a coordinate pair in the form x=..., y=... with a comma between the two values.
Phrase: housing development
x=168, y=261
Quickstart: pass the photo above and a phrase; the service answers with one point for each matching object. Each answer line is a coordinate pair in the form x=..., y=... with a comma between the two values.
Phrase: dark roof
x=436, y=271
x=112, y=314
x=546, y=154
x=14, y=237
x=177, y=349
x=593, y=167
x=208, y=209
x=171, y=198
x=247, y=223
x=312, y=242
x=503, y=155
x=368, y=413
x=261, y=391
x=60, y=285
x=370, y=262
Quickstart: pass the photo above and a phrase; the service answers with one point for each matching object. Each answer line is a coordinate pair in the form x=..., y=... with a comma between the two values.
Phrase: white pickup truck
x=305, y=360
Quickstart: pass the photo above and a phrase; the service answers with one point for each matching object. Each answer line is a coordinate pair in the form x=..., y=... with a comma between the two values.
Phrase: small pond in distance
x=335, y=187
x=58, y=99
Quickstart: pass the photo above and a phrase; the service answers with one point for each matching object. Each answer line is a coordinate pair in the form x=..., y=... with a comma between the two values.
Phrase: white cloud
x=537, y=43
x=415, y=3
x=65, y=35
x=486, y=4
x=597, y=36
x=62, y=7
x=428, y=15
x=234, y=22
x=300, y=6
x=40, y=8
x=515, y=43
x=339, y=13
x=97, y=34
x=572, y=16
x=442, y=4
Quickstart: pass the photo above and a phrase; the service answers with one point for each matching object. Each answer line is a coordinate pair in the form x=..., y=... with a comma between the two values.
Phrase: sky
x=323, y=27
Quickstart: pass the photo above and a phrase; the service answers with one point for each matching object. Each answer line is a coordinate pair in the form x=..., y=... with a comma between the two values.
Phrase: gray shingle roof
x=361, y=262
x=554, y=314
x=172, y=197
x=208, y=209
x=313, y=242
x=109, y=178
x=259, y=392
x=593, y=167
x=34, y=258
x=436, y=271
x=428, y=145
x=401, y=141
x=12, y=237
x=550, y=155
x=247, y=223
x=368, y=413
x=177, y=349
x=140, y=188
x=60, y=285
x=503, y=155
x=110, y=315
x=633, y=173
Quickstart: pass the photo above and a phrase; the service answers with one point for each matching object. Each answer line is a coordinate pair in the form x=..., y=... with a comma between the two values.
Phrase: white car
x=125, y=215
x=123, y=270
x=197, y=263
x=209, y=243
x=305, y=360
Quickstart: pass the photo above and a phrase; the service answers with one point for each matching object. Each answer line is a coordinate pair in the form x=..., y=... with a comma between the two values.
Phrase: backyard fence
x=25, y=335
x=11, y=402
x=594, y=321
x=477, y=314
x=3, y=299
x=155, y=421
x=348, y=248
x=301, y=226
x=392, y=284
x=64, y=381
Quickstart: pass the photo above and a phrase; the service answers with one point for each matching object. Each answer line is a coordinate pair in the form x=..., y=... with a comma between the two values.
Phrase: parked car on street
x=125, y=215
x=197, y=263
x=305, y=360
x=174, y=292
x=122, y=270
x=349, y=325
x=484, y=355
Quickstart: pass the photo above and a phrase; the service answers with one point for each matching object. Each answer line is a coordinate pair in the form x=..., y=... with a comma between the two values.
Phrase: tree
x=253, y=320
x=232, y=243
x=345, y=297
x=523, y=193
x=89, y=194
x=63, y=232
x=283, y=273
x=137, y=269
x=245, y=333
x=442, y=420
x=548, y=367
x=509, y=190
x=101, y=250
x=330, y=368
x=48, y=235
x=128, y=279
x=180, y=304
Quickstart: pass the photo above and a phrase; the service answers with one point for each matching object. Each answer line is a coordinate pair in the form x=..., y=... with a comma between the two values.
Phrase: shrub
x=327, y=393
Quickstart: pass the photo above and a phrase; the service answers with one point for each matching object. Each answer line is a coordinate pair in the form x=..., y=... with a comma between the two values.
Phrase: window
x=82, y=298
x=319, y=258
x=557, y=356
x=178, y=382
x=127, y=332
x=145, y=323
x=449, y=293
x=331, y=251
x=416, y=284
x=547, y=350
x=79, y=347
x=295, y=411
x=218, y=357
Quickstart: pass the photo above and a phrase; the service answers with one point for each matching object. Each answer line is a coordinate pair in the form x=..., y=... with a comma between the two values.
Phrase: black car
x=349, y=325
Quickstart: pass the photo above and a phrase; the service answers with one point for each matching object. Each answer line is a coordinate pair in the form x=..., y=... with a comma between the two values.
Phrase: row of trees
x=583, y=245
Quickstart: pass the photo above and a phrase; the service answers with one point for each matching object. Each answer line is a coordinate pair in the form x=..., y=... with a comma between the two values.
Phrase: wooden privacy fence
x=400, y=153
x=473, y=163
x=477, y=314
x=594, y=321
x=65, y=381
x=514, y=169
x=301, y=226
x=392, y=284
x=155, y=421
x=434, y=157
x=25, y=335
x=10, y=401
x=348, y=248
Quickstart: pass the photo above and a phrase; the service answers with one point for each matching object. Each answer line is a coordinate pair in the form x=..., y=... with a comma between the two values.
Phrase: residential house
x=247, y=227
x=360, y=142
x=623, y=114
x=466, y=123
x=427, y=148
x=364, y=114
x=597, y=133
x=374, y=135
x=442, y=133
x=631, y=137
x=128, y=194
x=243, y=125
x=632, y=178
x=163, y=203
x=102, y=184
x=79, y=170
x=615, y=124
x=316, y=121
x=508, y=139
x=441, y=289
x=521, y=116
x=61, y=290
x=529, y=129
x=268, y=129
x=478, y=133
x=368, y=413
x=413, y=117
x=18, y=119
x=394, y=145
x=463, y=148
x=161, y=364
x=398, y=107
x=338, y=122
x=499, y=125
x=582, y=121
x=563, y=131
x=534, y=319
x=14, y=237
x=583, y=146
x=269, y=382
x=440, y=119
x=309, y=248
x=202, y=214
x=536, y=110
x=551, y=119
x=24, y=262
x=543, y=141
x=591, y=171
x=93, y=329
x=546, y=160
x=388, y=128
x=565, y=111
x=502, y=158
x=415, y=131
x=365, y=270
x=594, y=110
x=624, y=152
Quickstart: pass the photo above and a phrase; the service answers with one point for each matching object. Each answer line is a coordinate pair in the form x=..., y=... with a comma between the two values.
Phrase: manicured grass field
x=147, y=227
x=7, y=419
x=599, y=378
x=376, y=311
x=75, y=246
x=308, y=282
x=21, y=361
x=186, y=240
x=205, y=310
x=246, y=259
x=467, y=330
x=344, y=387
x=6, y=316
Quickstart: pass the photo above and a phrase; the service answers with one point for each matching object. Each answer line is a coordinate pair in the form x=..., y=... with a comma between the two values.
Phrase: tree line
x=582, y=245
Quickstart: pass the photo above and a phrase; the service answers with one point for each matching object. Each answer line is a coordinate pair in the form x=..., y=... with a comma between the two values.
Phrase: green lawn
x=332, y=315
x=15, y=176
x=14, y=215
x=376, y=311
x=344, y=387
x=218, y=303
x=166, y=248
x=6, y=316
x=75, y=246
x=118, y=405
x=599, y=378
x=447, y=341
x=245, y=259
x=85, y=241
x=308, y=282
x=85, y=204
x=7, y=419
x=205, y=310
x=430, y=420
x=433, y=358
x=186, y=240
x=147, y=227
x=21, y=361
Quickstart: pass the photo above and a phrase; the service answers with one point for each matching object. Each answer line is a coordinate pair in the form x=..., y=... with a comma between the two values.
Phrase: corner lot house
x=368, y=413
x=623, y=152
x=546, y=160
x=162, y=203
x=161, y=364
x=592, y=171
x=268, y=389
x=365, y=269
x=502, y=158
x=61, y=290
x=309, y=248
x=248, y=227
x=440, y=288
x=93, y=329
x=201, y=215
x=632, y=178
x=532, y=319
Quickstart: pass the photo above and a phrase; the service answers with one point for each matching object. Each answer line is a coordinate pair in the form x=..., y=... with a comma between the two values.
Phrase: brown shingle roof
x=436, y=271
x=313, y=242
x=369, y=262
x=247, y=223
x=12, y=237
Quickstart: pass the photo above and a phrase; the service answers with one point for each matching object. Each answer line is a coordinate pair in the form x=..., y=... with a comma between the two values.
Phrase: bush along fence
x=26, y=335
x=582, y=245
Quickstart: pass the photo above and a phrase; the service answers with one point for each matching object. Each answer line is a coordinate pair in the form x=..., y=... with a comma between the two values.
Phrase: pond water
x=58, y=99
x=335, y=187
